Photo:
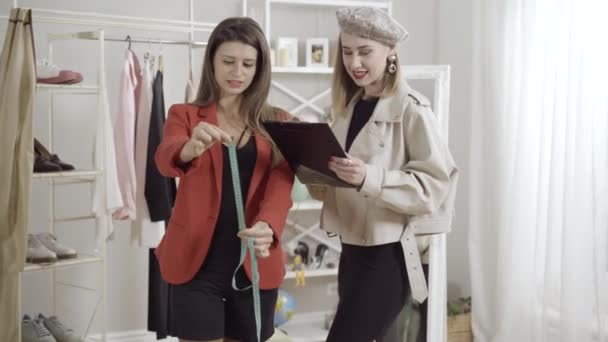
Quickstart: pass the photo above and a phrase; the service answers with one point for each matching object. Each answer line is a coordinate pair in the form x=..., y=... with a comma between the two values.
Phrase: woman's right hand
x=204, y=135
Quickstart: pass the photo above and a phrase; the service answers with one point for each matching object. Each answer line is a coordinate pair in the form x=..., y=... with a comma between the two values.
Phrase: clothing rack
x=159, y=41
x=94, y=35
x=120, y=21
x=107, y=21
x=131, y=22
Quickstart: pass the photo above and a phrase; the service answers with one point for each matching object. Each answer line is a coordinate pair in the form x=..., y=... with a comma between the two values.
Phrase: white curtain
x=539, y=171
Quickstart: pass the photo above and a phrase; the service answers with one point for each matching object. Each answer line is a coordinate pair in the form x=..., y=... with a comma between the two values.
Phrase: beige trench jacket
x=410, y=186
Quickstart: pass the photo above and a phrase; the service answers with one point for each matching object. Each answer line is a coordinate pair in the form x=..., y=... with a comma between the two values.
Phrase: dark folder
x=307, y=147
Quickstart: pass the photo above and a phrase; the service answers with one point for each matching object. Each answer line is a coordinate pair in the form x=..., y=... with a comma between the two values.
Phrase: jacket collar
x=205, y=111
x=389, y=108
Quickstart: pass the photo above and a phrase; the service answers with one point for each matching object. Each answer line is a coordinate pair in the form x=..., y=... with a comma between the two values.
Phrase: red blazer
x=184, y=247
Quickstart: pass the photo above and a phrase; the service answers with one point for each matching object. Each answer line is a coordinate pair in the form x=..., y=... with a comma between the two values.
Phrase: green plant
x=459, y=306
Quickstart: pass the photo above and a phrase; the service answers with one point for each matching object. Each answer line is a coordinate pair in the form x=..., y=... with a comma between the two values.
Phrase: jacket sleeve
x=421, y=185
x=175, y=134
x=277, y=199
x=277, y=202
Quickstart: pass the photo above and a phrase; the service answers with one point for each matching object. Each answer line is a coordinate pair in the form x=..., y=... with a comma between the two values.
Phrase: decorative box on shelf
x=459, y=328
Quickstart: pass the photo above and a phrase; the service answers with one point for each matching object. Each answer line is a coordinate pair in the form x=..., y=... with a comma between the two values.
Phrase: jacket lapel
x=388, y=110
x=210, y=113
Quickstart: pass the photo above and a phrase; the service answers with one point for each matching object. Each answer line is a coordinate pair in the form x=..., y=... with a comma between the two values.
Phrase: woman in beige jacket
x=404, y=175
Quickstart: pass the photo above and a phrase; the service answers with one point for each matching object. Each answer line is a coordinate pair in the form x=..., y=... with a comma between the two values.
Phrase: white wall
x=440, y=33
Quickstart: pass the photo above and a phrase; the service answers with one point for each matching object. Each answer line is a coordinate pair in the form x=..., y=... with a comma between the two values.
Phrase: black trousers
x=373, y=287
x=398, y=329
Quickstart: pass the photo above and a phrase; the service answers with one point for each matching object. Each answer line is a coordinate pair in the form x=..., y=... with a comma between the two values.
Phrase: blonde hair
x=344, y=88
x=254, y=108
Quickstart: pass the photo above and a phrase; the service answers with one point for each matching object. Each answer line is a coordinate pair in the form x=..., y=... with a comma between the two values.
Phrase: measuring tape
x=240, y=212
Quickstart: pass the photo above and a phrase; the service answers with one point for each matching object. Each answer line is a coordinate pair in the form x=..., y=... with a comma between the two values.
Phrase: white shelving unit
x=81, y=260
x=307, y=327
x=65, y=176
x=306, y=205
x=387, y=5
x=326, y=272
x=309, y=232
x=304, y=101
x=70, y=89
x=302, y=70
x=92, y=177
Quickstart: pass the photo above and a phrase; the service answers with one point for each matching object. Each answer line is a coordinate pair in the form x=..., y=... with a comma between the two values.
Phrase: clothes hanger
x=160, y=58
x=128, y=39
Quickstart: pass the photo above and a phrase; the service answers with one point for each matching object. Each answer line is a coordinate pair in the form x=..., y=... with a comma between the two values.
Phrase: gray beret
x=371, y=23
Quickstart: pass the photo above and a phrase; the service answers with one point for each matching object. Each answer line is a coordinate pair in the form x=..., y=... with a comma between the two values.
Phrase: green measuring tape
x=240, y=212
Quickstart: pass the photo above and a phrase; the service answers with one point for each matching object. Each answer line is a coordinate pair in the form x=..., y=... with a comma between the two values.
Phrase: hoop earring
x=392, y=64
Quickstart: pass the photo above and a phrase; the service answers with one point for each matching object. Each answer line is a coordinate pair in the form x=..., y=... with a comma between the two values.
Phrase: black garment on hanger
x=159, y=297
x=159, y=190
x=160, y=195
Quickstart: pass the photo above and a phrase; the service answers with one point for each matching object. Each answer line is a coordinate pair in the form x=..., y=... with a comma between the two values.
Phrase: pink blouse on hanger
x=124, y=134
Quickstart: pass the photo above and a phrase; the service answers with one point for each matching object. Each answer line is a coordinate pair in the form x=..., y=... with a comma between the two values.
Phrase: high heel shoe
x=42, y=164
x=53, y=158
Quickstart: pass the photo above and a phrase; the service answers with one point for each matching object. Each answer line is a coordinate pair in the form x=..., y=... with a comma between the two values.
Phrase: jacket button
x=381, y=144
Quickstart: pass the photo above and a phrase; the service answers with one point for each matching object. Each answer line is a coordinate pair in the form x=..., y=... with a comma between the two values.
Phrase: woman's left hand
x=351, y=170
x=262, y=237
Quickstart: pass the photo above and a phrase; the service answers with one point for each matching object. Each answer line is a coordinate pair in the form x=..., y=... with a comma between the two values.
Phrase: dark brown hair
x=254, y=107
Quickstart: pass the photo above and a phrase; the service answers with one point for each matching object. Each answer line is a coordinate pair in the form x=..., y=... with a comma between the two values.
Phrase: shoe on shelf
x=58, y=330
x=37, y=253
x=33, y=331
x=42, y=164
x=49, y=241
x=53, y=158
x=49, y=73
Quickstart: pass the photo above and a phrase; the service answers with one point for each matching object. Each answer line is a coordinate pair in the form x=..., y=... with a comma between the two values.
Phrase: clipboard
x=307, y=147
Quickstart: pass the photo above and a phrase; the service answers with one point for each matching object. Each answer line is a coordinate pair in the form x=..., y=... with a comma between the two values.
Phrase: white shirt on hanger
x=106, y=193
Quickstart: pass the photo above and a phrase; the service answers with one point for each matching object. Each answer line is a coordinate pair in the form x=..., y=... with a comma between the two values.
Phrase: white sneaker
x=32, y=331
x=59, y=331
x=46, y=69
x=50, y=241
x=37, y=252
x=49, y=73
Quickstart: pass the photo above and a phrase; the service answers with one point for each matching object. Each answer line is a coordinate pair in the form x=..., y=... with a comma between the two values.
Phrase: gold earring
x=392, y=64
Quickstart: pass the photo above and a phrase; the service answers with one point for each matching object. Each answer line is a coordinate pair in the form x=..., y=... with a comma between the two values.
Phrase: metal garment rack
x=105, y=21
x=129, y=39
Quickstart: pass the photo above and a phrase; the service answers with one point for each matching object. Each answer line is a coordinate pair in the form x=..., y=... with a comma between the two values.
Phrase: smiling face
x=365, y=61
x=234, y=66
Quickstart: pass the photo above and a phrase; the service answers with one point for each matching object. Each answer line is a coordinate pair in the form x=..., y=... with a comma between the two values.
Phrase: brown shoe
x=53, y=158
x=41, y=164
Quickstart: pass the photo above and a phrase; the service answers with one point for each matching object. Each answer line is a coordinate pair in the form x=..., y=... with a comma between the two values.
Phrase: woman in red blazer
x=201, y=248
